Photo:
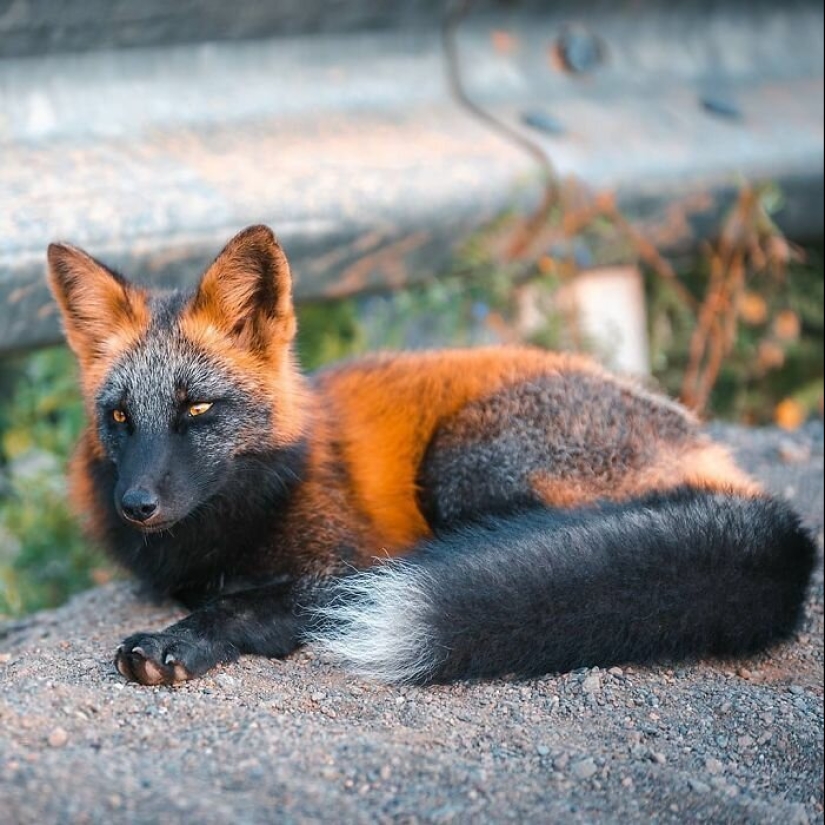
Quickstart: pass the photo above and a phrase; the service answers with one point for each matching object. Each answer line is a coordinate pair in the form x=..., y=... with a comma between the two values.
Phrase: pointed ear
x=101, y=310
x=246, y=294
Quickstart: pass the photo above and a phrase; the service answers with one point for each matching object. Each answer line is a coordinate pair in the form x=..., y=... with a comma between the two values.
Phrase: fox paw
x=160, y=659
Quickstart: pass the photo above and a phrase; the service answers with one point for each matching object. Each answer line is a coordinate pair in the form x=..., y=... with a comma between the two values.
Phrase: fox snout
x=146, y=495
x=139, y=505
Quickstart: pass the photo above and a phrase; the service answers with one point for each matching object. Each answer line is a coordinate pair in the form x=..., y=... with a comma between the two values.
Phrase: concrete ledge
x=351, y=148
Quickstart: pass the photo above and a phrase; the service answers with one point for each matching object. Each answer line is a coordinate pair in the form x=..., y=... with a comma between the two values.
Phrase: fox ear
x=100, y=308
x=247, y=292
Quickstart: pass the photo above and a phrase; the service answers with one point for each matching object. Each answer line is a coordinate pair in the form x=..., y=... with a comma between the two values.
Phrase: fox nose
x=139, y=504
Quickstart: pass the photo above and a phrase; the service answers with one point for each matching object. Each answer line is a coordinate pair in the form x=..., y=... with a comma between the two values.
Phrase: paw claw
x=153, y=675
x=181, y=674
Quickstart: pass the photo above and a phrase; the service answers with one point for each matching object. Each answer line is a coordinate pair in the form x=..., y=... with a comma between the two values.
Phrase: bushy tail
x=673, y=576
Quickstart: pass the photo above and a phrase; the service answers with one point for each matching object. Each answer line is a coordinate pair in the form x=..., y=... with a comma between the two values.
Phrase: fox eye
x=199, y=409
x=119, y=416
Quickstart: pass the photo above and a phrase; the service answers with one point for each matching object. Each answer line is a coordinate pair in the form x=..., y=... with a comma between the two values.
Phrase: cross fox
x=425, y=517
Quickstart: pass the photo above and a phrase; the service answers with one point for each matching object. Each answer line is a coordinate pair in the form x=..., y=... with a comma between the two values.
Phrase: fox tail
x=673, y=576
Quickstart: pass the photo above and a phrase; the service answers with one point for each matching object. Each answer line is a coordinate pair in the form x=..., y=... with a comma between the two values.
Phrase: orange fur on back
x=385, y=410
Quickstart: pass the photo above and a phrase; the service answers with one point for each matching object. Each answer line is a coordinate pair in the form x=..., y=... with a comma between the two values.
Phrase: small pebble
x=58, y=738
x=584, y=768
x=592, y=683
x=714, y=766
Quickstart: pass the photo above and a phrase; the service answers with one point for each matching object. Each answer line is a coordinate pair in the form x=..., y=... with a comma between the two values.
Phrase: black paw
x=165, y=658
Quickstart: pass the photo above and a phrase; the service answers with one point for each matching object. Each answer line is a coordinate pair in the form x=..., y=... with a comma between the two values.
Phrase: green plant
x=43, y=557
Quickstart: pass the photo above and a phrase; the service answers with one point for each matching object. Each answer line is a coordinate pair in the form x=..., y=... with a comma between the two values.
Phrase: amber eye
x=199, y=409
x=119, y=416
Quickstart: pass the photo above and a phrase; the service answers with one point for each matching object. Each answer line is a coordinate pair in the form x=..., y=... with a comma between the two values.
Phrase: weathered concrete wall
x=346, y=139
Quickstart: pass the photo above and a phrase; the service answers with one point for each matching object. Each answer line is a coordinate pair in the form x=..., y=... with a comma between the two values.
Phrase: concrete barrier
x=149, y=133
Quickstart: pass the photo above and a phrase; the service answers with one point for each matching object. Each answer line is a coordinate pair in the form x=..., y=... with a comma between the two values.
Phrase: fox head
x=179, y=386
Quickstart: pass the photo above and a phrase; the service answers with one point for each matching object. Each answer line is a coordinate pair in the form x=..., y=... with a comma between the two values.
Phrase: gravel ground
x=300, y=741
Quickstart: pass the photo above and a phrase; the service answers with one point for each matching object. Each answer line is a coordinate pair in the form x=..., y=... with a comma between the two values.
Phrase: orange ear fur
x=246, y=294
x=102, y=313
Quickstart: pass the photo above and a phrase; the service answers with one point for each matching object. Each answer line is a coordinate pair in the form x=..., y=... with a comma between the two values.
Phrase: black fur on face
x=168, y=461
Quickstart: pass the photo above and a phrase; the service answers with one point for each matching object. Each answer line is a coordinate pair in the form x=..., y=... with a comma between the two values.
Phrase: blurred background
x=639, y=179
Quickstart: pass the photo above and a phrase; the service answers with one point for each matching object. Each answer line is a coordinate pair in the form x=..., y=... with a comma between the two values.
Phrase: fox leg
x=264, y=620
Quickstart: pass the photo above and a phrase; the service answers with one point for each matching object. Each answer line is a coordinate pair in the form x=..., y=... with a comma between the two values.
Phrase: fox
x=423, y=517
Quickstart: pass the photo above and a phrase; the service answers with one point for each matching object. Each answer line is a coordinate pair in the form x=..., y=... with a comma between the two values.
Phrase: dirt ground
x=301, y=741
